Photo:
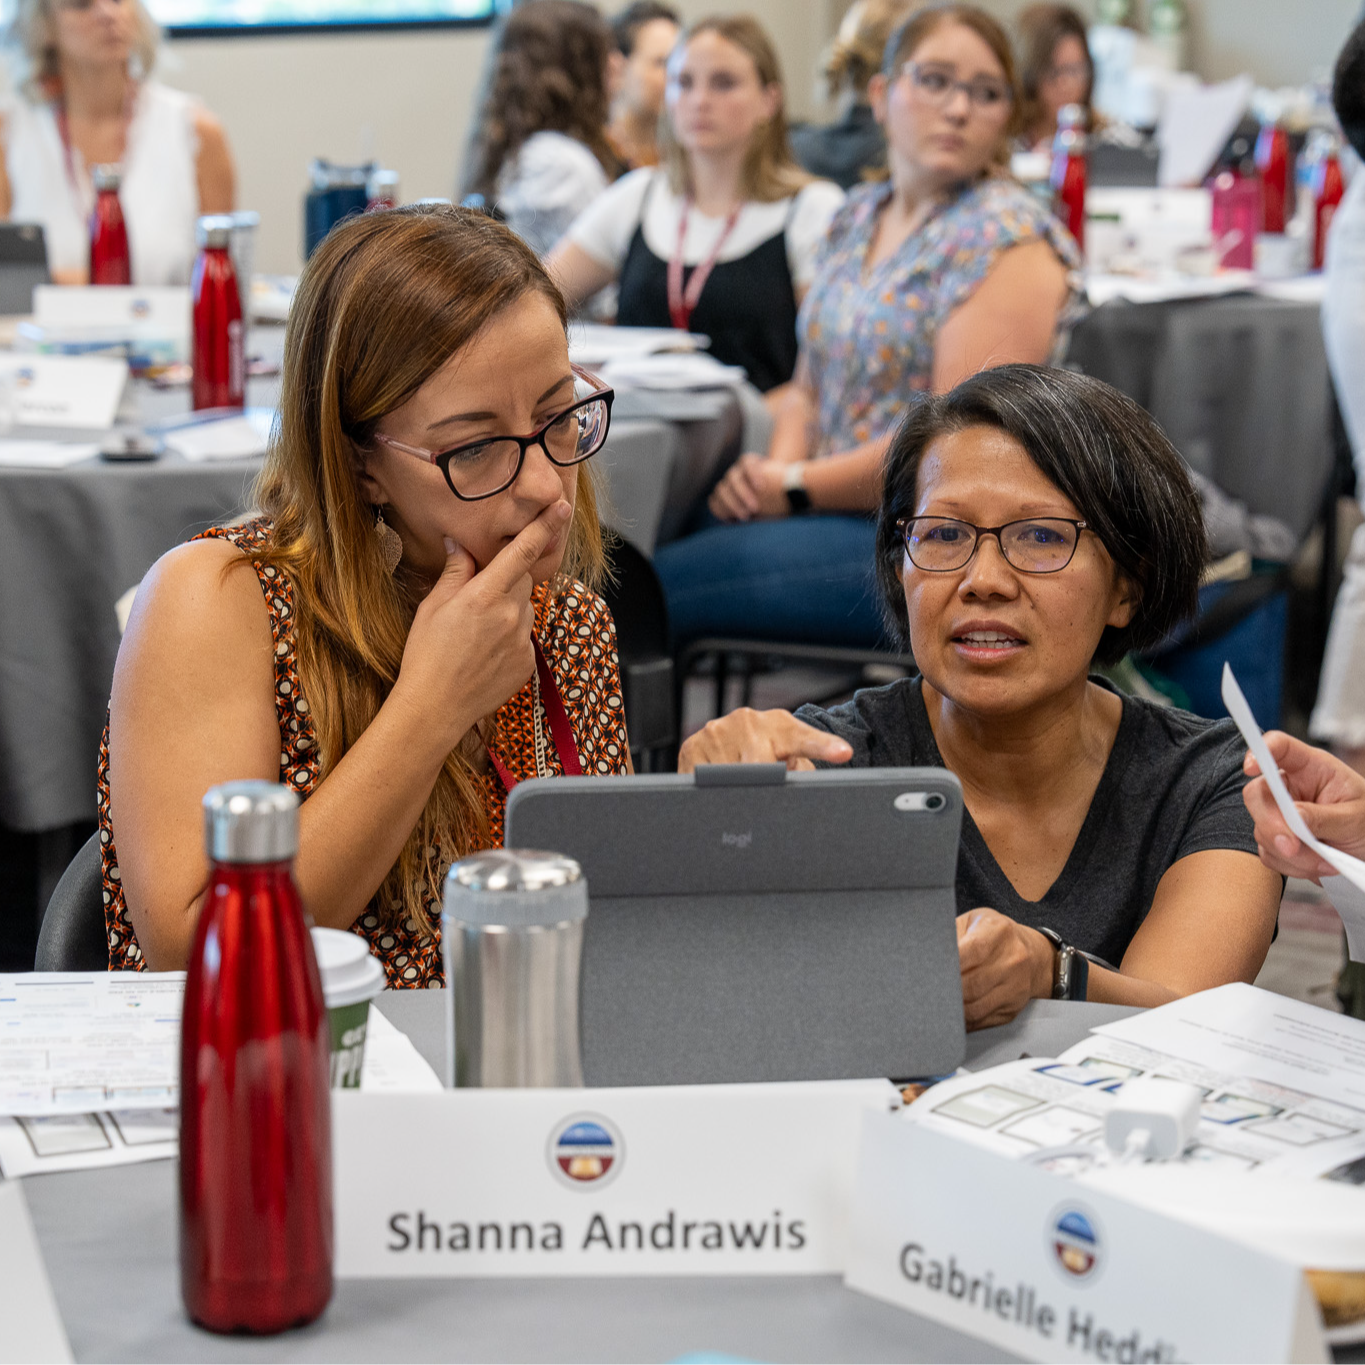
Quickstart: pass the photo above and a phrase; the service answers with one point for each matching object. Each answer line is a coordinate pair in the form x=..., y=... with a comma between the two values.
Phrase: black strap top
x=748, y=307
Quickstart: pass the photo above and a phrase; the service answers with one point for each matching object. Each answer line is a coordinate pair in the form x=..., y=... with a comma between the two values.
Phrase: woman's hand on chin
x=751, y=490
x=469, y=648
x=1004, y=966
x=749, y=736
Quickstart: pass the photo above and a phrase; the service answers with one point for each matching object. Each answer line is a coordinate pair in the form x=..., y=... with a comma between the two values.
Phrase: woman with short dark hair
x=1032, y=523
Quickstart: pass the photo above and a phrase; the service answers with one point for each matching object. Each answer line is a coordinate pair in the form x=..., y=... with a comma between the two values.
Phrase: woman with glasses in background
x=945, y=267
x=1034, y=522
x=86, y=98
x=408, y=627
x=1056, y=71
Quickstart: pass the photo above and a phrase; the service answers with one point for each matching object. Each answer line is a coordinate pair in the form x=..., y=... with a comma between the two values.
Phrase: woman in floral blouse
x=946, y=268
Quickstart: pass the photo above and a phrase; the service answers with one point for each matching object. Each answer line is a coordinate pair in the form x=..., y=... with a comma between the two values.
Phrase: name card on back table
x=1053, y=1269
x=659, y=1180
x=62, y=391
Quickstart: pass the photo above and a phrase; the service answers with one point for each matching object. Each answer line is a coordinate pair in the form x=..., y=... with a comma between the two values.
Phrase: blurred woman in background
x=645, y=32
x=944, y=268
x=721, y=238
x=541, y=153
x=1056, y=71
x=845, y=150
x=86, y=98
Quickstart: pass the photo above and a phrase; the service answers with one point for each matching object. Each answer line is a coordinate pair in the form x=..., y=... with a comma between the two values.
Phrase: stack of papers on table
x=90, y=1068
x=43, y=454
x=696, y=371
x=593, y=344
x=234, y=436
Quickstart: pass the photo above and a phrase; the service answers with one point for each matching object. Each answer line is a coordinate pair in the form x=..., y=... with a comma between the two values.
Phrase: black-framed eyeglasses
x=936, y=85
x=489, y=466
x=1031, y=545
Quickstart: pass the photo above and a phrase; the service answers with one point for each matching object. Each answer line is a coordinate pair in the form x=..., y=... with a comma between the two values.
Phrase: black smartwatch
x=794, y=486
x=1070, y=968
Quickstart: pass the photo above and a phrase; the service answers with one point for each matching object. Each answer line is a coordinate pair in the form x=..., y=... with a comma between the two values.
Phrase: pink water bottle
x=1275, y=167
x=219, y=360
x=1068, y=171
x=1237, y=216
x=1328, y=188
x=255, y=1115
x=109, y=260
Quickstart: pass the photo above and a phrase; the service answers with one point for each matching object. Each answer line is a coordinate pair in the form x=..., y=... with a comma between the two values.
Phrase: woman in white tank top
x=83, y=105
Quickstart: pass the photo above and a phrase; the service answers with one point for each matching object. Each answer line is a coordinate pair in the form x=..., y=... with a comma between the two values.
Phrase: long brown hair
x=1041, y=28
x=901, y=45
x=855, y=56
x=770, y=171
x=549, y=75
x=382, y=304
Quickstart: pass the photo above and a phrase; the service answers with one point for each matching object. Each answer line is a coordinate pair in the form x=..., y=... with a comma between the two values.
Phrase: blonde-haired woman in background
x=721, y=238
x=853, y=145
x=87, y=99
x=407, y=630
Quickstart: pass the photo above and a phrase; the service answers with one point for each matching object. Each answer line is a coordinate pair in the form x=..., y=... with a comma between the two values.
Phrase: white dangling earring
x=390, y=543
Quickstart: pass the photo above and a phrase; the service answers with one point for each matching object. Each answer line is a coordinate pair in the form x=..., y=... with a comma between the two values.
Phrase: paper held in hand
x=1347, y=890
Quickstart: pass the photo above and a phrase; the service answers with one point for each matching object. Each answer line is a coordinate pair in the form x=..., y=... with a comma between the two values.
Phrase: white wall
x=407, y=98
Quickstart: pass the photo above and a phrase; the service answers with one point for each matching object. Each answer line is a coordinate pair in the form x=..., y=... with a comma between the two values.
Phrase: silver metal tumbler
x=512, y=931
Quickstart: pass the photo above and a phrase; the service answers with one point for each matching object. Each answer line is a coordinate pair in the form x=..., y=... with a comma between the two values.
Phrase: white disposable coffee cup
x=351, y=977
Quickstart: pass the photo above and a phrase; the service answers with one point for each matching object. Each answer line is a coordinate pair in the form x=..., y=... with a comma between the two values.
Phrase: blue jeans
x=805, y=580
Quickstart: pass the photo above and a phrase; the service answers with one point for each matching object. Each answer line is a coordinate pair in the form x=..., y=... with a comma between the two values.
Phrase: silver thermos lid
x=515, y=889
x=251, y=822
x=106, y=177
x=214, y=229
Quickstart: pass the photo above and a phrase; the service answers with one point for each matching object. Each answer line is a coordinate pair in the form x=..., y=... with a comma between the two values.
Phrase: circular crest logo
x=1074, y=1237
x=585, y=1151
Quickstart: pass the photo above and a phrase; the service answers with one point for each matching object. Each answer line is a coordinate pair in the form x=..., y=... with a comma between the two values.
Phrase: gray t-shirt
x=1172, y=787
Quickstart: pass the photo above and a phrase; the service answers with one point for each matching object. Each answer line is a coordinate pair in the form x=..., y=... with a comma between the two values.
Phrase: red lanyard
x=561, y=732
x=682, y=301
x=64, y=132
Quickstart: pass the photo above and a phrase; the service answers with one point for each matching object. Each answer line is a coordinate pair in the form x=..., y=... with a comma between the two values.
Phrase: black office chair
x=73, y=937
x=636, y=599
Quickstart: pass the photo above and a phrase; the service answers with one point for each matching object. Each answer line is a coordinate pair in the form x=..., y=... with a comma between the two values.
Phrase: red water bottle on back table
x=1328, y=189
x=255, y=1104
x=109, y=259
x=1069, y=171
x=219, y=358
x=1275, y=166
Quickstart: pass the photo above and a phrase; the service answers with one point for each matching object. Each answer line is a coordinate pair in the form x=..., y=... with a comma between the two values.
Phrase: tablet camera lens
x=935, y=801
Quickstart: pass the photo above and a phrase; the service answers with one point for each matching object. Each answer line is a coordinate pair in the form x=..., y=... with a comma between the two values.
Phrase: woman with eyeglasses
x=407, y=627
x=1034, y=523
x=1056, y=71
x=87, y=98
x=944, y=267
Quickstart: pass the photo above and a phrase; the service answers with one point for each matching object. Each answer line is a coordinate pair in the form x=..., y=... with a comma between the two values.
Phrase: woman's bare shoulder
x=203, y=596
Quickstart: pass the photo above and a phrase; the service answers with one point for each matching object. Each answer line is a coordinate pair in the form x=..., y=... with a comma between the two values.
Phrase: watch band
x=1070, y=968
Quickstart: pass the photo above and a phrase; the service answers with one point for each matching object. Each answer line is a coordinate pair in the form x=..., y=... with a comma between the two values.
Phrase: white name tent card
x=659, y=1180
x=61, y=390
x=1035, y=1263
x=1347, y=890
x=30, y=1325
x=161, y=307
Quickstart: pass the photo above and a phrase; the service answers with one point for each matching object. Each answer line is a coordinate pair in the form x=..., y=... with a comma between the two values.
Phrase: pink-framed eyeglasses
x=490, y=465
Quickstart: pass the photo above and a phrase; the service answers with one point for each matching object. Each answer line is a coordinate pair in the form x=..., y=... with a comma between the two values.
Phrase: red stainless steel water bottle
x=109, y=260
x=219, y=360
x=1328, y=188
x=1274, y=165
x=1068, y=171
x=255, y=1113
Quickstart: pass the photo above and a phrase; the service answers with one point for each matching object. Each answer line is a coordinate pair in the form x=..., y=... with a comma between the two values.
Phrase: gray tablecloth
x=1240, y=385
x=73, y=541
x=108, y=1238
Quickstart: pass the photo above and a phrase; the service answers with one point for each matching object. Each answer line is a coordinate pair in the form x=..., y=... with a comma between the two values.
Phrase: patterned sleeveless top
x=578, y=637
